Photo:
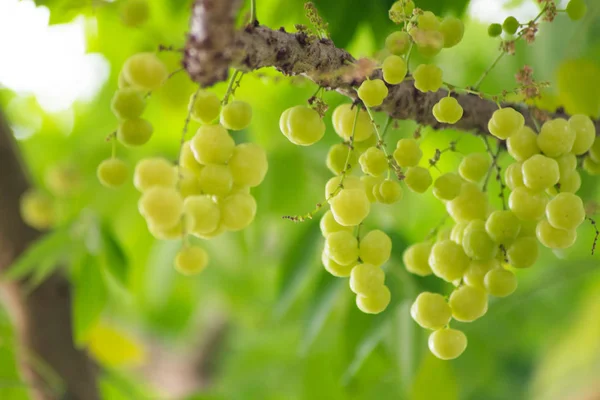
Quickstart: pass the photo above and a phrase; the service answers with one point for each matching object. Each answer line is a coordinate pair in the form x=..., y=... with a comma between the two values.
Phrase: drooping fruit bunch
x=480, y=252
x=205, y=193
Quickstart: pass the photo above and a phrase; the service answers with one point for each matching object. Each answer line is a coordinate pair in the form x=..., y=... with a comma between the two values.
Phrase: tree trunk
x=42, y=317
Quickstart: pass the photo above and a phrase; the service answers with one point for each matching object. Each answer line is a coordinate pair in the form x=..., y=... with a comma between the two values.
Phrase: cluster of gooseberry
x=346, y=253
x=207, y=192
x=480, y=251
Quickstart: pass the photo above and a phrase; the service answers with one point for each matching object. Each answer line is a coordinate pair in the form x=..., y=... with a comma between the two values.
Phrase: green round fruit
x=112, y=172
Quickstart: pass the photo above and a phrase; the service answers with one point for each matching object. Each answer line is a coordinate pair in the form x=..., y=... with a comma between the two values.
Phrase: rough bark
x=254, y=47
x=42, y=318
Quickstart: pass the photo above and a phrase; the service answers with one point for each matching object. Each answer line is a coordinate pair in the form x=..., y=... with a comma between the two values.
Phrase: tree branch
x=42, y=317
x=213, y=47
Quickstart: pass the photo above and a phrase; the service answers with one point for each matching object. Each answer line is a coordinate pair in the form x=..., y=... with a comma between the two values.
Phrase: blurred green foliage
x=293, y=331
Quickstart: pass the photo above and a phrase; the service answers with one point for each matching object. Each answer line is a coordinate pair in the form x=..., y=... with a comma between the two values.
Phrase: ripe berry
x=128, y=103
x=416, y=259
x=447, y=186
x=338, y=156
x=523, y=144
x=448, y=260
x=112, y=173
x=431, y=311
x=429, y=42
x=350, y=207
x=376, y=302
x=477, y=243
x=565, y=211
x=428, y=21
x=453, y=30
x=447, y=110
x=237, y=211
x=523, y=252
x=428, y=78
x=248, y=164
x=505, y=122
x=418, y=179
x=407, y=153
x=503, y=226
x=236, y=115
x=328, y=224
x=145, y=71
x=335, y=269
x=372, y=92
x=349, y=182
x=527, y=204
x=343, y=123
x=302, y=125
x=394, y=69
x=375, y=248
x=474, y=167
x=161, y=206
x=373, y=162
x=134, y=132
x=206, y=108
x=468, y=303
x=202, y=213
x=540, y=172
x=191, y=260
x=470, y=204
x=212, y=144
x=342, y=247
x=500, y=282
x=555, y=238
x=447, y=343
x=513, y=175
x=366, y=279
x=556, y=137
x=397, y=43
x=216, y=180
x=388, y=192
x=585, y=133
x=151, y=172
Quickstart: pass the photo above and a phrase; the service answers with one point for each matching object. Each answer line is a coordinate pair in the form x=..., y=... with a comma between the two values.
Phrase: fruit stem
x=230, y=86
x=502, y=53
x=386, y=126
x=253, y=20
x=488, y=70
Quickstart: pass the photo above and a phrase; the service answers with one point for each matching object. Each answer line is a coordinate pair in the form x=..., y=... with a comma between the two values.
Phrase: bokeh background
x=265, y=321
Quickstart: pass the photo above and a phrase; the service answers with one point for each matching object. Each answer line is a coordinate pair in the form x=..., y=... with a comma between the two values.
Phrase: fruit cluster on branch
x=256, y=46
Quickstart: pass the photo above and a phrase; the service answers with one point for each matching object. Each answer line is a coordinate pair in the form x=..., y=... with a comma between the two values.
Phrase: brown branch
x=214, y=46
x=42, y=317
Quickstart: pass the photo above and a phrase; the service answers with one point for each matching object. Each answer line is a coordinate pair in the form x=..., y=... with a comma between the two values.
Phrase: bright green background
x=293, y=330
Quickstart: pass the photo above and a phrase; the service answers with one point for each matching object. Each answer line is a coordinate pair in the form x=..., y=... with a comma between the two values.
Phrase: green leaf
x=89, y=297
x=324, y=299
x=112, y=256
x=45, y=253
x=296, y=266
